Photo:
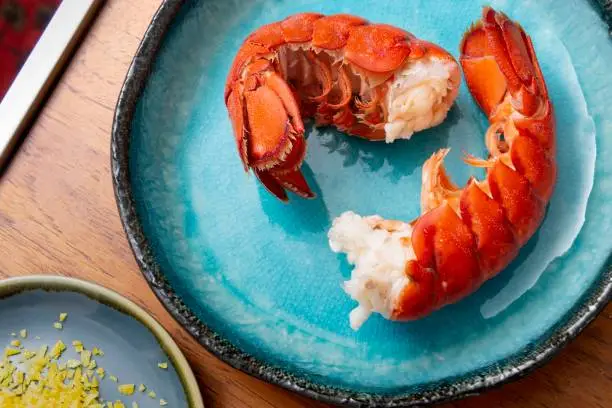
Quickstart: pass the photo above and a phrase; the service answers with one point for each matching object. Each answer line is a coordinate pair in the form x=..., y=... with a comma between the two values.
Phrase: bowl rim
x=16, y=285
x=531, y=357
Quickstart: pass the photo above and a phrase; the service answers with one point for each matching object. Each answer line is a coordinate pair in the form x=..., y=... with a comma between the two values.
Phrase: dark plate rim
x=474, y=383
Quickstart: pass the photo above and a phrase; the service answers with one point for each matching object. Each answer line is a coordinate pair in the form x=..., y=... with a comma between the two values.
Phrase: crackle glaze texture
x=220, y=250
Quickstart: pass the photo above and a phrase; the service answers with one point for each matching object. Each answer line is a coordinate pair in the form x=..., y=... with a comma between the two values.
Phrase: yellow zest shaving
x=27, y=354
x=78, y=346
x=45, y=384
x=126, y=389
x=86, y=358
x=58, y=350
x=42, y=381
x=100, y=371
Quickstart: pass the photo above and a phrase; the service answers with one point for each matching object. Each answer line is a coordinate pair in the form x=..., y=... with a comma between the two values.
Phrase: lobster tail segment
x=464, y=236
x=269, y=130
x=498, y=59
x=369, y=80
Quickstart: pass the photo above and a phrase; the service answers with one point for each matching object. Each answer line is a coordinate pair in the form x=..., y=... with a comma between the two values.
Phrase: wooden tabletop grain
x=58, y=216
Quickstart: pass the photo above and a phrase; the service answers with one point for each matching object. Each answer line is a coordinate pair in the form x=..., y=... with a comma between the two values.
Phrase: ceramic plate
x=255, y=281
x=133, y=343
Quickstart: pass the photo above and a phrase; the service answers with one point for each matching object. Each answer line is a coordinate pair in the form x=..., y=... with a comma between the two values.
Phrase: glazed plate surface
x=226, y=256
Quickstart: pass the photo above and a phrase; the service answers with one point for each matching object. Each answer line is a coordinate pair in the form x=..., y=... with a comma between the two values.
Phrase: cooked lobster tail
x=369, y=80
x=464, y=235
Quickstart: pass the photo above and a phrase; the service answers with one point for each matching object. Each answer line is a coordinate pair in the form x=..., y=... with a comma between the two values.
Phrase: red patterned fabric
x=21, y=24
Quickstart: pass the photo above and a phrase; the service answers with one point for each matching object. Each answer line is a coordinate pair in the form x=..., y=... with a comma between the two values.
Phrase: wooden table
x=58, y=216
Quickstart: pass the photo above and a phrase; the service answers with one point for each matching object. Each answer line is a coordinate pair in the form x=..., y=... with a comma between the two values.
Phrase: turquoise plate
x=132, y=342
x=254, y=280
